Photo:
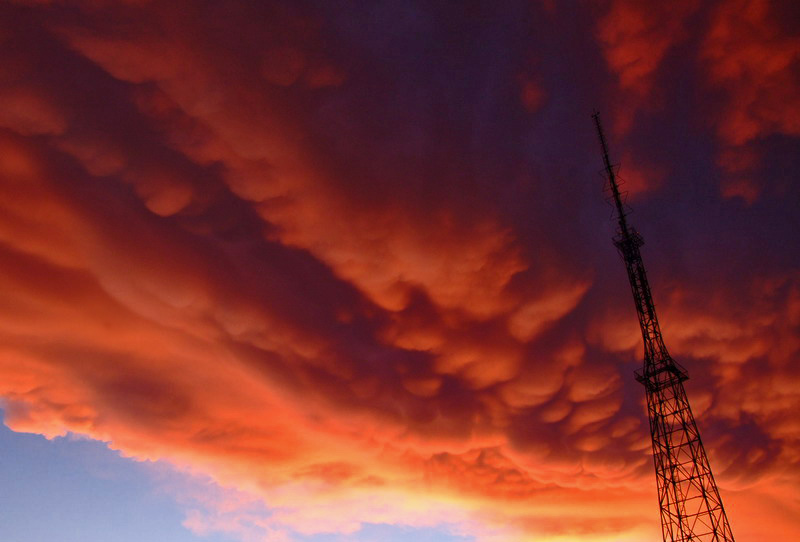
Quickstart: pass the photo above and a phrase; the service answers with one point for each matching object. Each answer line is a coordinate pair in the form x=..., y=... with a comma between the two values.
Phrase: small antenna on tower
x=613, y=182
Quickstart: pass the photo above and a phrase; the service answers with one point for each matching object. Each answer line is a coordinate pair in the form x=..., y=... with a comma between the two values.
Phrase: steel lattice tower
x=691, y=508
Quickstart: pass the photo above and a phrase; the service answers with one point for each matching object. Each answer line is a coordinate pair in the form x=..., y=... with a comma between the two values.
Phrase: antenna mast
x=691, y=508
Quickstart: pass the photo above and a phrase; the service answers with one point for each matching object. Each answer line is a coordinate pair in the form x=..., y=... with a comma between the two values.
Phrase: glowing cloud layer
x=354, y=263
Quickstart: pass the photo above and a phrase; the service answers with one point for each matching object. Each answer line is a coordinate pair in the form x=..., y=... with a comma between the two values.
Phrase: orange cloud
x=331, y=323
x=747, y=57
x=635, y=38
x=752, y=59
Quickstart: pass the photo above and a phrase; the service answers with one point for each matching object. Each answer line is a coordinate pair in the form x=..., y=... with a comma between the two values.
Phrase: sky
x=311, y=271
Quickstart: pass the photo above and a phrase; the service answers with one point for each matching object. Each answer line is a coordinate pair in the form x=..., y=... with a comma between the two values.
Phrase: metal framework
x=691, y=508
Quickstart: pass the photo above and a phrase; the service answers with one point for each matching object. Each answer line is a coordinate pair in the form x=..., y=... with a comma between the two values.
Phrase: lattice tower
x=691, y=508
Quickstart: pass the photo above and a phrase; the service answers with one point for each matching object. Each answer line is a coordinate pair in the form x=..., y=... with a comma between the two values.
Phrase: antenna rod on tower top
x=612, y=178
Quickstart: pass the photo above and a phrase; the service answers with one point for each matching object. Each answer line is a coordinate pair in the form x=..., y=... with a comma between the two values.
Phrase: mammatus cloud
x=269, y=245
x=745, y=53
x=756, y=75
x=636, y=39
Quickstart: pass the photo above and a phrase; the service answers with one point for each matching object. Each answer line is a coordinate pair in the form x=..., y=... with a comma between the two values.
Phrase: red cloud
x=747, y=55
x=635, y=38
x=196, y=271
x=753, y=60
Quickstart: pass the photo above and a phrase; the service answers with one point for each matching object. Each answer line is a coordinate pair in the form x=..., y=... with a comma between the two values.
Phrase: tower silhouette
x=691, y=508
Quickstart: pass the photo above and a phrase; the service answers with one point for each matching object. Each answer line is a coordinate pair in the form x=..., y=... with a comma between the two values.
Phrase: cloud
x=746, y=58
x=635, y=40
x=308, y=258
x=752, y=59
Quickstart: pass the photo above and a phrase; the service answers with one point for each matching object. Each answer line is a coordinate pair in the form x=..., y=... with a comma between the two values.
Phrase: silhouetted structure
x=691, y=508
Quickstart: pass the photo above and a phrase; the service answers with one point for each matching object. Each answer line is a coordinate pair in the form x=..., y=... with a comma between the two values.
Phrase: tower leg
x=691, y=508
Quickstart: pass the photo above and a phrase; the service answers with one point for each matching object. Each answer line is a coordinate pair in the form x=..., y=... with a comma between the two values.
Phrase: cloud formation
x=333, y=258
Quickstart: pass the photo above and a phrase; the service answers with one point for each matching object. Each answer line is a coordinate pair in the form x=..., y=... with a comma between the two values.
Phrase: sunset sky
x=342, y=271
